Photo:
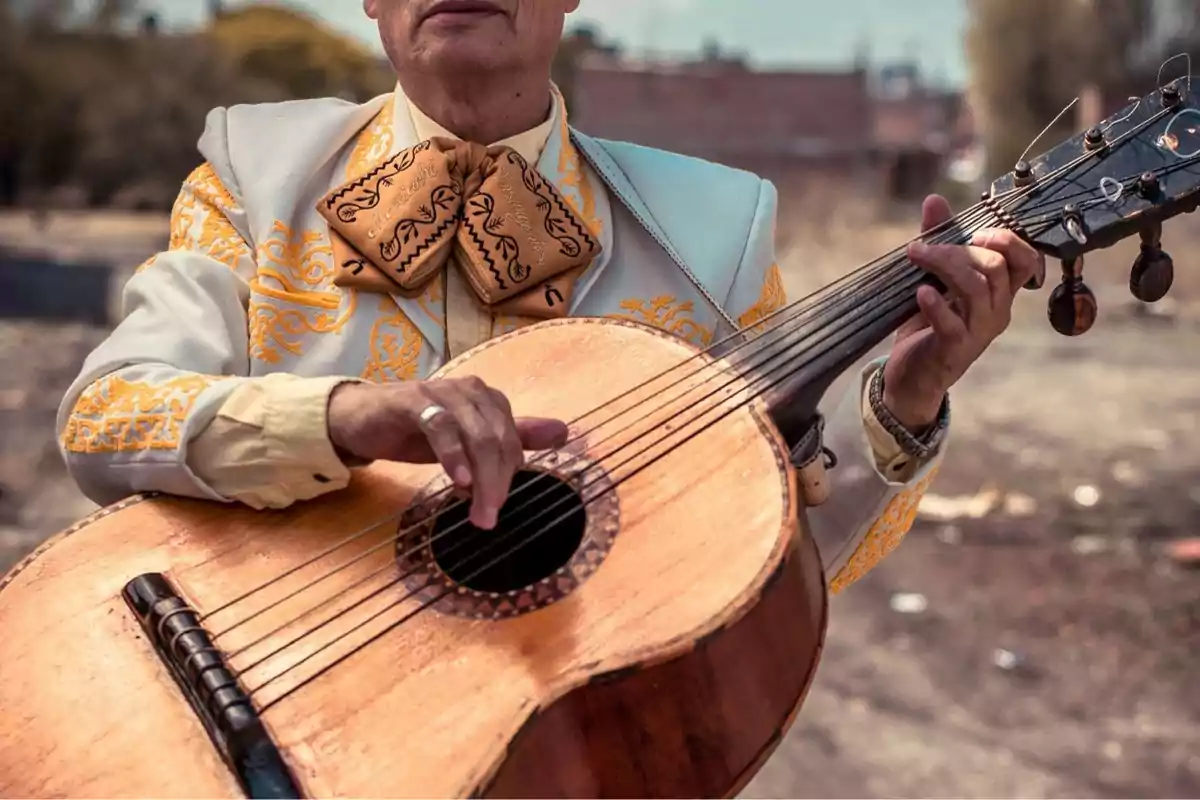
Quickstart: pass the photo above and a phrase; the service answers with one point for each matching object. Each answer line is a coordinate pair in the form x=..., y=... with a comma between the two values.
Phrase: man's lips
x=462, y=8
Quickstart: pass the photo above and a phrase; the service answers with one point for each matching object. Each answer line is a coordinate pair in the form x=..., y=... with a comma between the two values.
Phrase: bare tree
x=1029, y=58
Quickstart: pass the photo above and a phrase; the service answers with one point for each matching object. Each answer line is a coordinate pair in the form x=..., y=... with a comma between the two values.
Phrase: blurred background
x=1034, y=635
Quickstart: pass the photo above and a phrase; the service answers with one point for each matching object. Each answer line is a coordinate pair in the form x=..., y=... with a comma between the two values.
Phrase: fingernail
x=485, y=520
x=461, y=476
x=919, y=248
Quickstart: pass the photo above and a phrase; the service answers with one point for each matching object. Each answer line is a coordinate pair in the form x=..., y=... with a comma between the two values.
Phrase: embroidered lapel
x=562, y=166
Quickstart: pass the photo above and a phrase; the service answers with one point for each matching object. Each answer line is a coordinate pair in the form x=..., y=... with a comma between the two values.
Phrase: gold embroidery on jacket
x=570, y=165
x=772, y=298
x=294, y=297
x=885, y=535
x=293, y=293
x=296, y=272
x=396, y=345
x=667, y=313
x=433, y=301
x=374, y=143
x=114, y=415
x=503, y=324
x=200, y=220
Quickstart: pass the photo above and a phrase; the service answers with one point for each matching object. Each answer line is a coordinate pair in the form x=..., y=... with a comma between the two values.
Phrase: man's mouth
x=462, y=9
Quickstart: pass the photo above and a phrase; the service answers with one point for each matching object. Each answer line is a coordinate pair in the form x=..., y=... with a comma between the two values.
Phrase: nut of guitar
x=653, y=635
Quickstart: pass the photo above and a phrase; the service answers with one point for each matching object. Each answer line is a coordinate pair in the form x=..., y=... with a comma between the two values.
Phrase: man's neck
x=485, y=111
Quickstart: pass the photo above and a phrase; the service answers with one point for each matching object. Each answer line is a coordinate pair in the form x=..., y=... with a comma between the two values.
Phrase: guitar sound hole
x=540, y=528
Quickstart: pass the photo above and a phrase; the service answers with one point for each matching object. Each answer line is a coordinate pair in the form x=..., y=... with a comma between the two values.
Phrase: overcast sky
x=774, y=32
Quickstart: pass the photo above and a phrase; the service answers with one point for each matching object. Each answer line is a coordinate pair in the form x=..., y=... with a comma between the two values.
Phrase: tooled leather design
x=407, y=228
x=348, y=212
x=554, y=224
x=472, y=230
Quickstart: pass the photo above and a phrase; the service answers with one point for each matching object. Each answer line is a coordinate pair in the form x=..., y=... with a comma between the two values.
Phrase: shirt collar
x=529, y=144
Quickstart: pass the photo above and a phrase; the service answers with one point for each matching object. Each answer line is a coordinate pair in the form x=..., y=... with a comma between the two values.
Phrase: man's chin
x=462, y=56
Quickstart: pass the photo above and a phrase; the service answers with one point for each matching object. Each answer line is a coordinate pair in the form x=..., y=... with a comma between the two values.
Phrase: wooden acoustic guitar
x=645, y=621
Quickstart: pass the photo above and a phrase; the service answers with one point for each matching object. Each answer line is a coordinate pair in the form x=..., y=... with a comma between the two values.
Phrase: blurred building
x=885, y=133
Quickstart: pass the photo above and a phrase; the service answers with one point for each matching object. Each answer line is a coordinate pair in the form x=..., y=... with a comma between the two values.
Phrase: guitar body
x=665, y=653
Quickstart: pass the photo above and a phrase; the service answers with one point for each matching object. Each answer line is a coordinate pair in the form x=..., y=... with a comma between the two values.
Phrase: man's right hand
x=461, y=423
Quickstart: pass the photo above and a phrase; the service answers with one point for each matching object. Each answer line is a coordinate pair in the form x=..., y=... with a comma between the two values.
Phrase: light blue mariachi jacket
x=246, y=290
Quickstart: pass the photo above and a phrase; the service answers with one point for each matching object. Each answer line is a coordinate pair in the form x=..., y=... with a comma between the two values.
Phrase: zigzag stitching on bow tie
x=358, y=184
x=365, y=179
x=428, y=243
x=567, y=214
x=535, y=183
x=584, y=233
x=482, y=248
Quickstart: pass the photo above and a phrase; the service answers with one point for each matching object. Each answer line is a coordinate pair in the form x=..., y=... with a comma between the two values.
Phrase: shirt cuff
x=891, y=460
x=269, y=446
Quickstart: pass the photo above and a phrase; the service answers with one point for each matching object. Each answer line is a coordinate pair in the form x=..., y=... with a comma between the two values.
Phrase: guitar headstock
x=1124, y=177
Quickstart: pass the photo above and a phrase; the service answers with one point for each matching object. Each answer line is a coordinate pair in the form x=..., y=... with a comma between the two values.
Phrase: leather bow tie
x=517, y=242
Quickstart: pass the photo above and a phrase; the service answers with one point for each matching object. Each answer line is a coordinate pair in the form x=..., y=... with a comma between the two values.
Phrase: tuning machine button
x=1153, y=271
x=1072, y=307
x=1148, y=187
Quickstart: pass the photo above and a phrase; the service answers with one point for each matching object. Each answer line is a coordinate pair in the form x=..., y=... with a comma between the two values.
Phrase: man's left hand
x=935, y=348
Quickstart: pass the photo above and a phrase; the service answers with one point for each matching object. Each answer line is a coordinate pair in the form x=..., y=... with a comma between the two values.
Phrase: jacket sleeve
x=179, y=359
x=876, y=488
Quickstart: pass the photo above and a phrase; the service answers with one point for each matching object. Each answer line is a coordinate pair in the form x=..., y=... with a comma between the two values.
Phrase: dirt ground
x=1029, y=639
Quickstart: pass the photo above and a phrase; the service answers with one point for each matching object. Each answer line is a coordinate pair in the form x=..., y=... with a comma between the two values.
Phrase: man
x=321, y=266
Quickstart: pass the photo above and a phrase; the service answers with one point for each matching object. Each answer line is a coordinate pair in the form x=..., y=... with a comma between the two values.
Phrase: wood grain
x=704, y=622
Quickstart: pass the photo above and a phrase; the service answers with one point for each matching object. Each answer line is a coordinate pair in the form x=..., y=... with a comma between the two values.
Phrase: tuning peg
x=1153, y=271
x=1072, y=307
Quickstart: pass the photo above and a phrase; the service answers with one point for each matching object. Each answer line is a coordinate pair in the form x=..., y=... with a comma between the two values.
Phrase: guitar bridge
x=201, y=672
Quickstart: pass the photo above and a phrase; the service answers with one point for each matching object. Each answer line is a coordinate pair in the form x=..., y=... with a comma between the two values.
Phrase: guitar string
x=630, y=426
x=916, y=280
x=1053, y=205
x=880, y=275
x=533, y=484
x=360, y=581
x=449, y=551
x=898, y=290
x=1088, y=155
x=809, y=305
x=916, y=277
x=506, y=513
x=1053, y=201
